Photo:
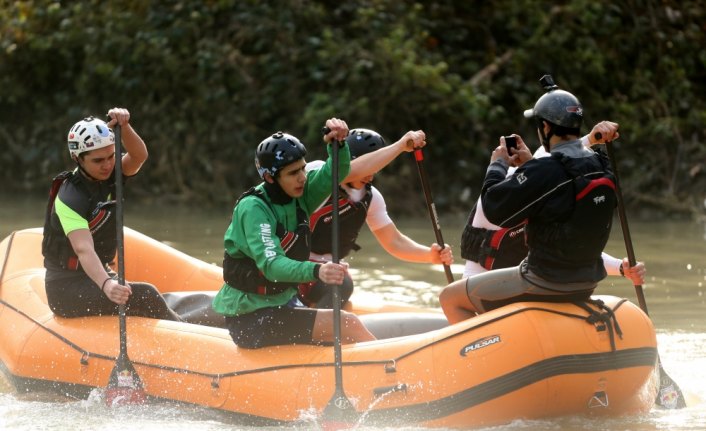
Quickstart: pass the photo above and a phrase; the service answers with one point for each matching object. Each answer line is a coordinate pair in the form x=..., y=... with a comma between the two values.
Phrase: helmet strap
x=544, y=137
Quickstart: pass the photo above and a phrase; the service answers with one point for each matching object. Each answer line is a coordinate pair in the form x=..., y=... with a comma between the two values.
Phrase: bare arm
x=371, y=163
x=615, y=266
x=82, y=243
x=404, y=248
x=136, y=150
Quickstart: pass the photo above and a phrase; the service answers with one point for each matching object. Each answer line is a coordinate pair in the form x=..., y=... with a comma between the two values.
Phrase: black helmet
x=364, y=141
x=556, y=106
x=276, y=152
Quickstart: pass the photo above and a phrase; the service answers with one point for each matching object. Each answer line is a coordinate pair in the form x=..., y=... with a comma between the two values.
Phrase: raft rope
x=599, y=319
x=603, y=320
x=390, y=365
x=84, y=353
x=491, y=321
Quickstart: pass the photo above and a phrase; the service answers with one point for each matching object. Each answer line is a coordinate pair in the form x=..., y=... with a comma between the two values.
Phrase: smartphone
x=510, y=142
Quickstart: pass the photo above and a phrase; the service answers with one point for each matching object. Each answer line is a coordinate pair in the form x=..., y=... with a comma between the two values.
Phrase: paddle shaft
x=123, y=375
x=624, y=225
x=669, y=395
x=335, y=259
x=339, y=409
x=419, y=158
x=120, y=239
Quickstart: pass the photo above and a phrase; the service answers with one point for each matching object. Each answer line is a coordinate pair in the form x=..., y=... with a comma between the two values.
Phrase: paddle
x=339, y=412
x=669, y=395
x=419, y=157
x=124, y=385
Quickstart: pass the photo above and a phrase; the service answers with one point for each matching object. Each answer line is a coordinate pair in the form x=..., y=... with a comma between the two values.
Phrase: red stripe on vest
x=97, y=219
x=593, y=184
x=494, y=243
x=72, y=263
x=327, y=209
x=288, y=238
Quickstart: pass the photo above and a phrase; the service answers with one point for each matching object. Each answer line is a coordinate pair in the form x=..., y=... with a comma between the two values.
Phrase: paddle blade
x=669, y=395
x=339, y=413
x=116, y=397
x=124, y=385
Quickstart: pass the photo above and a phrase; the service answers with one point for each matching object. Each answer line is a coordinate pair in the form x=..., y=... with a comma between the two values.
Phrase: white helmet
x=89, y=134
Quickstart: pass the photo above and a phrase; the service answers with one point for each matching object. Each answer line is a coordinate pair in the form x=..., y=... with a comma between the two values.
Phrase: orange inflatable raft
x=526, y=360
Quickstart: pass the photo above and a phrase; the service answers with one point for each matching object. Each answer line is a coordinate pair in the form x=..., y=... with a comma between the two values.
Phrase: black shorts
x=79, y=296
x=320, y=295
x=288, y=324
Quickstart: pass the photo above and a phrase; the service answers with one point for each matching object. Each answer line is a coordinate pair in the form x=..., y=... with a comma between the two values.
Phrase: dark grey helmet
x=364, y=141
x=557, y=107
x=276, y=152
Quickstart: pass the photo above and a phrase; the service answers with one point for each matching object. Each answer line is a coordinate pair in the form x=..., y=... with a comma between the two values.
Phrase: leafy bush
x=206, y=81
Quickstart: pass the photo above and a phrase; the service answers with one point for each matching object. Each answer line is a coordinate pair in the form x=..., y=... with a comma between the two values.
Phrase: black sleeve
x=509, y=201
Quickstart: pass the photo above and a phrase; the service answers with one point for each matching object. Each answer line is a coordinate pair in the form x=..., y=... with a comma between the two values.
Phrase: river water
x=674, y=252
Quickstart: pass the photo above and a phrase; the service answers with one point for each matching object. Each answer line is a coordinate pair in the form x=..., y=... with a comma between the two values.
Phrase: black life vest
x=351, y=217
x=569, y=250
x=493, y=249
x=243, y=274
x=56, y=247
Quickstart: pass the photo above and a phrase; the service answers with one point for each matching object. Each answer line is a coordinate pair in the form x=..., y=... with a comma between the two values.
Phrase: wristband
x=317, y=267
x=622, y=271
x=103, y=285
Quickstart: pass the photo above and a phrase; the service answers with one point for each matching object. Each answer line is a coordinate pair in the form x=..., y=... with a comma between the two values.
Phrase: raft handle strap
x=602, y=320
x=216, y=382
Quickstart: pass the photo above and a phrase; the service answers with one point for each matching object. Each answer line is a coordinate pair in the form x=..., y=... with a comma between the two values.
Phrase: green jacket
x=251, y=233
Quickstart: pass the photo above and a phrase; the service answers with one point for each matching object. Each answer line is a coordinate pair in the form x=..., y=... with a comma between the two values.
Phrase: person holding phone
x=486, y=246
x=566, y=202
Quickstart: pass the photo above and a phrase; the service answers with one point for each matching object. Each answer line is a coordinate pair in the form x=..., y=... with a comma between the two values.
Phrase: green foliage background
x=207, y=80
